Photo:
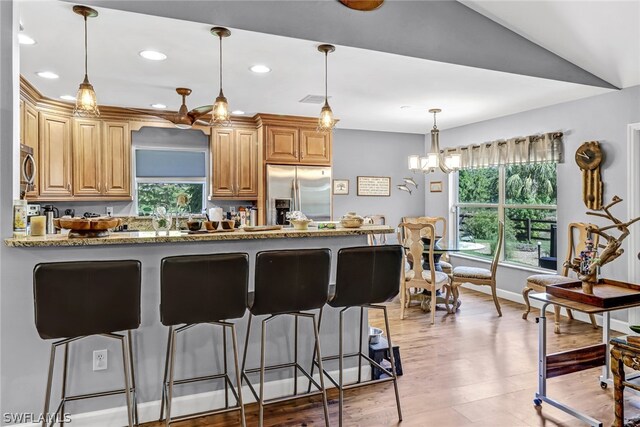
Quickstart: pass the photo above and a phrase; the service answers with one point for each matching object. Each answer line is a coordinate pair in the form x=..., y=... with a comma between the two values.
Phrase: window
x=162, y=175
x=524, y=197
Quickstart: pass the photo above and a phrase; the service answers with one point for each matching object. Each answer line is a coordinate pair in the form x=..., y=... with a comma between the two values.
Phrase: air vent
x=312, y=99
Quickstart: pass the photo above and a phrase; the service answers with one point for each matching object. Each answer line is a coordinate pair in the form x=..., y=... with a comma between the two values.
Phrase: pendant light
x=326, y=122
x=86, y=102
x=220, y=115
x=435, y=159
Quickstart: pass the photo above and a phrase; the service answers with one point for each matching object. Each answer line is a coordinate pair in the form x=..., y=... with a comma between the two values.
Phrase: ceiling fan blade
x=200, y=111
x=201, y=122
x=171, y=117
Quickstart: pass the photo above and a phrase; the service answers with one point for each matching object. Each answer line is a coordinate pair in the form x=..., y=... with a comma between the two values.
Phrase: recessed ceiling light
x=68, y=97
x=47, y=75
x=237, y=112
x=260, y=69
x=159, y=106
x=25, y=39
x=153, y=55
x=404, y=107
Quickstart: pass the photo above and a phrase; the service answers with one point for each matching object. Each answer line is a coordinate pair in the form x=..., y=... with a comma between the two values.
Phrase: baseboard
x=194, y=403
x=616, y=325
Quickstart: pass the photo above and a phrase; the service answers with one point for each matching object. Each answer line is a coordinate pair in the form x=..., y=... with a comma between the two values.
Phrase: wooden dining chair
x=376, y=239
x=538, y=282
x=416, y=276
x=479, y=276
x=440, y=226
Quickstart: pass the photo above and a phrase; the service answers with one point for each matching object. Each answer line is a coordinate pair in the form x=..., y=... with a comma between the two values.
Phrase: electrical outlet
x=99, y=360
x=109, y=210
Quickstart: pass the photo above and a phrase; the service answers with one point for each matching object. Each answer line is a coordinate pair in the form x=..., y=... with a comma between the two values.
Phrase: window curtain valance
x=530, y=149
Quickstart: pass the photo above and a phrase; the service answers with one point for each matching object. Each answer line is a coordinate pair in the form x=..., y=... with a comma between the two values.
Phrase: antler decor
x=610, y=251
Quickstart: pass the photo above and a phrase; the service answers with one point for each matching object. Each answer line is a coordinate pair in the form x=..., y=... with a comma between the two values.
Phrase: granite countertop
x=150, y=237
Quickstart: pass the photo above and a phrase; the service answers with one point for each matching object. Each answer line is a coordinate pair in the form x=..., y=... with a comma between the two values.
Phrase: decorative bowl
x=351, y=220
x=211, y=225
x=87, y=227
x=300, y=224
x=194, y=225
x=228, y=224
x=635, y=328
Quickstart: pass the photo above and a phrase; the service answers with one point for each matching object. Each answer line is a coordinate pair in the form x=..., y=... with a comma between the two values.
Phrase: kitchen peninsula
x=149, y=340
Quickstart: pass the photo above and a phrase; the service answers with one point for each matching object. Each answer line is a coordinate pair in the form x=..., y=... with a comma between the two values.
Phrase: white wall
x=603, y=118
x=366, y=153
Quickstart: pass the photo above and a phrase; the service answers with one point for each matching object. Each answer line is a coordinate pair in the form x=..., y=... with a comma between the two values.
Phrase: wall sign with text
x=374, y=186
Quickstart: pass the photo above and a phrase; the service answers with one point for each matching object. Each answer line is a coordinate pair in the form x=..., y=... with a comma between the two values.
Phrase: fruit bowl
x=87, y=227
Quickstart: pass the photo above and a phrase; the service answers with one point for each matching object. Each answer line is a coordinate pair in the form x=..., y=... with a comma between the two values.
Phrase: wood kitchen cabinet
x=295, y=145
x=101, y=159
x=54, y=159
x=116, y=159
x=315, y=147
x=29, y=133
x=87, y=159
x=234, y=163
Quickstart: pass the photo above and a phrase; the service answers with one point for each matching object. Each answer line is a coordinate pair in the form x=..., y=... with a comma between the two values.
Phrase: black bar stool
x=288, y=282
x=199, y=289
x=74, y=300
x=366, y=276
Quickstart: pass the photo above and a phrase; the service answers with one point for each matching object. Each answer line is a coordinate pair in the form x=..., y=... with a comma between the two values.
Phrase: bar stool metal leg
x=325, y=404
x=64, y=382
x=133, y=380
x=127, y=387
x=163, y=401
x=224, y=364
x=47, y=398
x=295, y=356
x=313, y=358
x=392, y=357
x=172, y=356
x=246, y=343
x=234, y=340
x=340, y=366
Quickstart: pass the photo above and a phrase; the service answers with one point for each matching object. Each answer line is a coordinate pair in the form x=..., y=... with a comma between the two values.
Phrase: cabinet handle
x=68, y=187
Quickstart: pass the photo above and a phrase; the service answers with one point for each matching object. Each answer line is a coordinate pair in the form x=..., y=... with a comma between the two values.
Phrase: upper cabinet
x=116, y=159
x=87, y=144
x=234, y=163
x=297, y=143
x=55, y=156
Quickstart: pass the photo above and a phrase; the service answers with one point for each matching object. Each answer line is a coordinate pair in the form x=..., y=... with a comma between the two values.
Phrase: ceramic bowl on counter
x=87, y=227
x=351, y=220
x=300, y=224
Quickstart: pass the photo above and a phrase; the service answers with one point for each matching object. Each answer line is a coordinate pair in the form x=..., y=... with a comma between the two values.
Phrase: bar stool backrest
x=291, y=280
x=367, y=275
x=75, y=299
x=203, y=288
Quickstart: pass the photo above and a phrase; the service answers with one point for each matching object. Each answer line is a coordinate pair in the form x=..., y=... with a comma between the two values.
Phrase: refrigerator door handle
x=299, y=196
x=295, y=195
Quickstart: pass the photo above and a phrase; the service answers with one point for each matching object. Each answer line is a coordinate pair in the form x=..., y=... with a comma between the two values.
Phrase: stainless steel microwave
x=27, y=169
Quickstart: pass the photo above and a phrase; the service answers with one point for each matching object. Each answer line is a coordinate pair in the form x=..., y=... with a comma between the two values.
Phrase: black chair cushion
x=203, y=288
x=367, y=275
x=74, y=299
x=291, y=280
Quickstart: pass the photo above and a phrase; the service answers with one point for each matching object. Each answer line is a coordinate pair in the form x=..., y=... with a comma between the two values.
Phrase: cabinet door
x=55, y=155
x=246, y=159
x=116, y=159
x=315, y=147
x=222, y=163
x=87, y=158
x=282, y=145
x=30, y=135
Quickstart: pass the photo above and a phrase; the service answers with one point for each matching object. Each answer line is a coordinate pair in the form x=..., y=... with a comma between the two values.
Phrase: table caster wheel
x=603, y=385
x=537, y=403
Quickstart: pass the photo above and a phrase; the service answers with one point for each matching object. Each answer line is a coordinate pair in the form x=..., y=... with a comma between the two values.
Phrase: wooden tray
x=224, y=230
x=262, y=228
x=607, y=293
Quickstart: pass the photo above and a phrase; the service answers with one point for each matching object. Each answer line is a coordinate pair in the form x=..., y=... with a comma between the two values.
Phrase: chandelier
x=435, y=158
x=220, y=115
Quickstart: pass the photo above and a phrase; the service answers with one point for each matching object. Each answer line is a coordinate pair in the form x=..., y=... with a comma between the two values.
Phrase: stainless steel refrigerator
x=298, y=188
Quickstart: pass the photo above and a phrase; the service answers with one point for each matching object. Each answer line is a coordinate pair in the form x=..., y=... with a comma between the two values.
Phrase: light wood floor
x=470, y=369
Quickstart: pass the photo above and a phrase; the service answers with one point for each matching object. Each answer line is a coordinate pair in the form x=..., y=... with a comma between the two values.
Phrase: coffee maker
x=282, y=207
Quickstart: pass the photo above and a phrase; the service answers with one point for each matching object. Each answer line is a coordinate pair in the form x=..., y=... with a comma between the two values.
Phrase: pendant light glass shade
x=326, y=121
x=221, y=114
x=86, y=100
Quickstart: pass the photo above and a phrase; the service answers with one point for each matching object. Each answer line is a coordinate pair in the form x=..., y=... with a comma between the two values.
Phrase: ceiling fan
x=184, y=118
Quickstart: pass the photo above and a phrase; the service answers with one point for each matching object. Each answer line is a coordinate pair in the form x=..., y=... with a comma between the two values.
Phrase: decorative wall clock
x=589, y=157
